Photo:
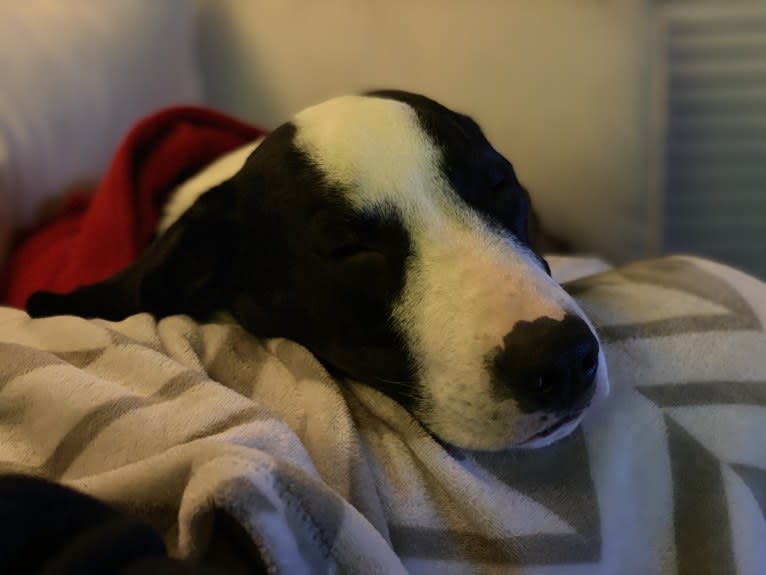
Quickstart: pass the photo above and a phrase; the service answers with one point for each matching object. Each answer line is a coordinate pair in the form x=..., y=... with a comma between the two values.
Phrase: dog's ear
x=186, y=270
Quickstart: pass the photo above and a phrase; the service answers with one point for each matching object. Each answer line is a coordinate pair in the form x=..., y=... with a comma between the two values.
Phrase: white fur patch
x=467, y=284
x=217, y=172
x=375, y=149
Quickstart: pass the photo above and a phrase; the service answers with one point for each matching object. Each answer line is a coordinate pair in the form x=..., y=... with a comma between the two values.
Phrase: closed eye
x=347, y=251
x=355, y=253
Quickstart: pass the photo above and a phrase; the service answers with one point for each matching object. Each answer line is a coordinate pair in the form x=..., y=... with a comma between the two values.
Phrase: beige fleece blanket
x=183, y=424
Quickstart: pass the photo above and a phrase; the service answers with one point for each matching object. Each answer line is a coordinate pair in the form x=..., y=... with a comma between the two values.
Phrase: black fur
x=481, y=176
x=278, y=247
x=558, y=369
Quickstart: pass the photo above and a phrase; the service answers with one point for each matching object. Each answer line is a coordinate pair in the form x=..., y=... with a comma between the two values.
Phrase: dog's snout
x=549, y=365
x=566, y=383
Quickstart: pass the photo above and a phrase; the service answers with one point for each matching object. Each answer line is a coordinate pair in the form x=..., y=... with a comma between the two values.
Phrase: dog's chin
x=538, y=430
x=539, y=436
x=552, y=433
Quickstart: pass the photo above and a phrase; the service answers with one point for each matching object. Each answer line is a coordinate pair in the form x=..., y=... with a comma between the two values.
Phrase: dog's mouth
x=552, y=428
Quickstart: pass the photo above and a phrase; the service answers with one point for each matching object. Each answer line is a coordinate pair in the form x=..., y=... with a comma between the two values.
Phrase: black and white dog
x=385, y=234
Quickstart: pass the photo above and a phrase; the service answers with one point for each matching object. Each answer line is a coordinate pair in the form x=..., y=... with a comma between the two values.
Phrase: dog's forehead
x=376, y=150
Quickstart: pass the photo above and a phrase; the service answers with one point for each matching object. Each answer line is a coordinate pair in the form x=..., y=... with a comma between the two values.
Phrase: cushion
x=76, y=75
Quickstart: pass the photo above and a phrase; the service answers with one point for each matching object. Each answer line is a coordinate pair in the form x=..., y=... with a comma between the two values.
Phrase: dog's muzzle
x=548, y=365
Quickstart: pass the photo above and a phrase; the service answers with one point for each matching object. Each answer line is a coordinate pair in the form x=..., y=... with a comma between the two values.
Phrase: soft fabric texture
x=75, y=76
x=93, y=239
x=184, y=424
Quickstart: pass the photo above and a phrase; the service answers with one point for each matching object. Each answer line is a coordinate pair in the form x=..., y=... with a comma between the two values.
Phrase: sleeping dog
x=385, y=234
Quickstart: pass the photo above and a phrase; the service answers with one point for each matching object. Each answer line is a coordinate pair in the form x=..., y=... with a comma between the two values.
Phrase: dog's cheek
x=377, y=276
x=471, y=417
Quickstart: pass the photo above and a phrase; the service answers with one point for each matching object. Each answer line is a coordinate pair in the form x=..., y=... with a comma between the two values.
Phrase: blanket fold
x=180, y=423
x=92, y=239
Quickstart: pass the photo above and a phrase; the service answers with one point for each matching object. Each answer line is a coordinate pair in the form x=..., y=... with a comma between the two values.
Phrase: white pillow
x=75, y=76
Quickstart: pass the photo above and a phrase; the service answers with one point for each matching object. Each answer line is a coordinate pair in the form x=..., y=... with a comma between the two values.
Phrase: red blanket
x=95, y=237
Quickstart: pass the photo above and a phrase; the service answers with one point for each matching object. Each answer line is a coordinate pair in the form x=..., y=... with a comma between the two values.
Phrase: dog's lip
x=555, y=426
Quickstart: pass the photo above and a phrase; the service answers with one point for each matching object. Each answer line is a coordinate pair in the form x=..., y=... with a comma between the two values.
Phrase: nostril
x=545, y=385
x=570, y=370
x=548, y=365
x=589, y=364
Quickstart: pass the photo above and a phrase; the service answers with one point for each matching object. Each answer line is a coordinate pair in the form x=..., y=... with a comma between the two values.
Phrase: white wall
x=559, y=86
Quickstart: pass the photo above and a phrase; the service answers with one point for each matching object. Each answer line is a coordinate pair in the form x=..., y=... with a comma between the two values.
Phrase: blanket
x=96, y=236
x=193, y=427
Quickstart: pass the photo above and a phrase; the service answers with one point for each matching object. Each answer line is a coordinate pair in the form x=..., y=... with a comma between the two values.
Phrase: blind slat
x=715, y=148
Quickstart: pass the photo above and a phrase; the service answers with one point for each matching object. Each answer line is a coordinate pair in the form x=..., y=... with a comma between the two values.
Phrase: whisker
x=405, y=389
x=395, y=382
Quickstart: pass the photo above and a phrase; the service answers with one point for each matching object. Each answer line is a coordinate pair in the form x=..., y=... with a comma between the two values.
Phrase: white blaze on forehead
x=375, y=150
x=467, y=284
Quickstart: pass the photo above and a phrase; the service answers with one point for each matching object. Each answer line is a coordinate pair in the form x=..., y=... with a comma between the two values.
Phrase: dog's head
x=385, y=234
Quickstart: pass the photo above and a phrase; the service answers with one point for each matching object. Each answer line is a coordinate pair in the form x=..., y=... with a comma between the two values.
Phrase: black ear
x=186, y=270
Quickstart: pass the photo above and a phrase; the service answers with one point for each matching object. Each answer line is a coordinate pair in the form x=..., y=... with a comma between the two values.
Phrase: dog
x=383, y=232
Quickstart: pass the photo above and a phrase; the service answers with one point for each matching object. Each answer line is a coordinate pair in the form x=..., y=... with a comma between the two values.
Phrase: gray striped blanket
x=183, y=423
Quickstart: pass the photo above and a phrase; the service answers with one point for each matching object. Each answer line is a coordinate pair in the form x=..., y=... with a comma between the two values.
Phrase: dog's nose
x=549, y=365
